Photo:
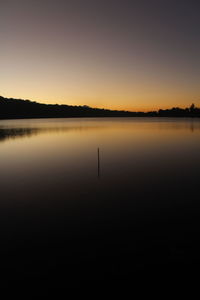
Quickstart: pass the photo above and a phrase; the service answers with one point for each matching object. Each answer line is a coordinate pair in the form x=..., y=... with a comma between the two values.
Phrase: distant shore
x=11, y=108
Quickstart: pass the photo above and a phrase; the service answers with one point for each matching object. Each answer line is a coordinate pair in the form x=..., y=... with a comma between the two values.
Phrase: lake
x=67, y=213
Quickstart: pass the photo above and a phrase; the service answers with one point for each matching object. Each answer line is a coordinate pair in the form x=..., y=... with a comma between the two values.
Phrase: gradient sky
x=135, y=55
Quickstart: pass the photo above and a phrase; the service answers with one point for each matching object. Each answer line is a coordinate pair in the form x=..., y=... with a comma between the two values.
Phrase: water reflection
x=26, y=128
x=13, y=133
x=69, y=210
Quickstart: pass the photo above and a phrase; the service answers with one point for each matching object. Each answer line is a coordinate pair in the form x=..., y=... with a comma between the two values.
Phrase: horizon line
x=103, y=108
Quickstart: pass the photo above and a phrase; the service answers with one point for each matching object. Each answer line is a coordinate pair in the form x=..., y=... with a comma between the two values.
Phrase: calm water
x=63, y=218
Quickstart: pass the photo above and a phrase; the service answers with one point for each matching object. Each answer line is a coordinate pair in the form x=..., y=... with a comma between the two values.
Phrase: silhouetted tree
x=16, y=109
x=192, y=107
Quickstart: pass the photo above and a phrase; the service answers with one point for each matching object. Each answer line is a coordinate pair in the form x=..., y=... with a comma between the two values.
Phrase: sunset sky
x=135, y=55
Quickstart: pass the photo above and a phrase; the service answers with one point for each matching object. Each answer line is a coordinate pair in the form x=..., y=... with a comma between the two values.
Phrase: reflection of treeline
x=12, y=133
x=17, y=109
x=16, y=132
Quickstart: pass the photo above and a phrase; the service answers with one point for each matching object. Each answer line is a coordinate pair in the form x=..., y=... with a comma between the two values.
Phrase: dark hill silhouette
x=18, y=109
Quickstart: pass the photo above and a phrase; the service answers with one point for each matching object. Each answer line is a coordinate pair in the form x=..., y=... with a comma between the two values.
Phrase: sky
x=131, y=55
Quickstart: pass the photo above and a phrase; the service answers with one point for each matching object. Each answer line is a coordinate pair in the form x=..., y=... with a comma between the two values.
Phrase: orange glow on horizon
x=144, y=105
x=129, y=58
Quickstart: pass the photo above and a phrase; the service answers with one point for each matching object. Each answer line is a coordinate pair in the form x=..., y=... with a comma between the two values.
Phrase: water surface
x=62, y=218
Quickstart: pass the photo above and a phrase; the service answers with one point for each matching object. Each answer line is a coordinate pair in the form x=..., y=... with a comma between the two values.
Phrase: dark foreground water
x=63, y=219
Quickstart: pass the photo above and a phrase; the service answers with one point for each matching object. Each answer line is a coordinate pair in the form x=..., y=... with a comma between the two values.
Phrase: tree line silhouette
x=17, y=109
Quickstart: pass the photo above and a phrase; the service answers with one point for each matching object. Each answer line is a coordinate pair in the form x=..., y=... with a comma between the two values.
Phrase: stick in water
x=98, y=160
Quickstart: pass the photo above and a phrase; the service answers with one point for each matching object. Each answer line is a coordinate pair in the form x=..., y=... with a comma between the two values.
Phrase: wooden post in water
x=98, y=162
